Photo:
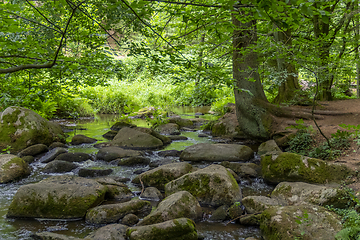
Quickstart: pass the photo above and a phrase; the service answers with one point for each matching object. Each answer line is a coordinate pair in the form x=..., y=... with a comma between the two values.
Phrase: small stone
x=152, y=194
x=130, y=220
x=83, y=172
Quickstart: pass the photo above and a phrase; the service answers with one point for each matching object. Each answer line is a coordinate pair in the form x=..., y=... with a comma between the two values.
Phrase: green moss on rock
x=293, y=167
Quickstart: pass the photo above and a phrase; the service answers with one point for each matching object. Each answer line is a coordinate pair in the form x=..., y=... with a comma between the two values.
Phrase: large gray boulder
x=161, y=175
x=295, y=193
x=109, y=232
x=56, y=197
x=134, y=139
x=112, y=213
x=299, y=222
x=12, y=168
x=109, y=154
x=217, y=153
x=291, y=167
x=176, y=229
x=178, y=205
x=213, y=185
x=21, y=128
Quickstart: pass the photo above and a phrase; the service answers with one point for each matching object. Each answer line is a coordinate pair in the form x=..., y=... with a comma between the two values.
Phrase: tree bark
x=290, y=83
x=254, y=120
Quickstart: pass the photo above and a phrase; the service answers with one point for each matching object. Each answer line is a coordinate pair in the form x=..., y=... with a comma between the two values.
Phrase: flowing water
x=21, y=229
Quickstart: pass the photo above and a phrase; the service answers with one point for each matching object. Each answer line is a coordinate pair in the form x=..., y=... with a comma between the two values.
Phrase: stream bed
x=21, y=229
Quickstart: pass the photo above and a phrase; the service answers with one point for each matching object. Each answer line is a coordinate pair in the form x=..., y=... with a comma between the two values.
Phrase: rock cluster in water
x=185, y=187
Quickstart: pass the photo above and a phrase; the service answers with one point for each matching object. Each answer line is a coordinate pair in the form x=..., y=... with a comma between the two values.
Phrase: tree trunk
x=357, y=33
x=290, y=83
x=324, y=76
x=254, y=120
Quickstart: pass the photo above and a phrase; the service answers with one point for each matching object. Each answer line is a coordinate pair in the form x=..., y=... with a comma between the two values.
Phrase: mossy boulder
x=163, y=138
x=80, y=139
x=178, y=205
x=12, y=168
x=116, y=190
x=217, y=152
x=299, y=222
x=227, y=126
x=108, y=154
x=176, y=229
x=168, y=129
x=137, y=140
x=109, y=232
x=132, y=161
x=119, y=125
x=295, y=193
x=181, y=122
x=145, y=112
x=56, y=197
x=291, y=167
x=213, y=186
x=21, y=128
x=220, y=214
x=119, y=194
x=255, y=204
x=110, y=134
x=161, y=175
x=112, y=213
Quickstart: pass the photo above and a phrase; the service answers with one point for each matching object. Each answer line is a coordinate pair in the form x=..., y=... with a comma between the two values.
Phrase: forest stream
x=21, y=229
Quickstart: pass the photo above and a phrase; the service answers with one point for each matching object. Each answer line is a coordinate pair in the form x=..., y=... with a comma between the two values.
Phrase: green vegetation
x=350, y=218
x=303, y=143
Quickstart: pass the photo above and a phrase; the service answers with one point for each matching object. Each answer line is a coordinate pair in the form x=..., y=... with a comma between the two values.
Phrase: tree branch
x=46, y=65
x=186, y=4
x=147, y=25
x=43, y=15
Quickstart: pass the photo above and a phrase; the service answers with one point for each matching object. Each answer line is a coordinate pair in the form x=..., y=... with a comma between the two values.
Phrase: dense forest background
x=71, y=58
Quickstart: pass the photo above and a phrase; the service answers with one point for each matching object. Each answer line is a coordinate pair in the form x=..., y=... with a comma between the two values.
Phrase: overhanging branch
x=45, y=65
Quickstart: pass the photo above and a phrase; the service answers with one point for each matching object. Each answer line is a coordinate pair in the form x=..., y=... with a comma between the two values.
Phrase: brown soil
x=341, y=112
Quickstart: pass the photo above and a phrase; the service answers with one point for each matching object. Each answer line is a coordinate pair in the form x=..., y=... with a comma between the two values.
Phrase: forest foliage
x=73, y=58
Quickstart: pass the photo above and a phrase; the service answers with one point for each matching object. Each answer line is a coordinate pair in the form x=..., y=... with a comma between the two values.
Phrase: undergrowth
x=303, y=143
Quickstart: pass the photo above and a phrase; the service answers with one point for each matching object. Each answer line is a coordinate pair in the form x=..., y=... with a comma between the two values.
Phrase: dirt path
x=330, y=124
